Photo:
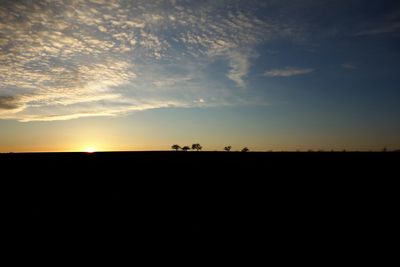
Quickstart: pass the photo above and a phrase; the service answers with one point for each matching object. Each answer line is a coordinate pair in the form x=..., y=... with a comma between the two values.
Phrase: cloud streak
x=288, y=72
x=390, y=24
x=383, y=29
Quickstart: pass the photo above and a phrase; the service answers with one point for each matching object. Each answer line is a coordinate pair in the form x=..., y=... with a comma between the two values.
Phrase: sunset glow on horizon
x=90, y=150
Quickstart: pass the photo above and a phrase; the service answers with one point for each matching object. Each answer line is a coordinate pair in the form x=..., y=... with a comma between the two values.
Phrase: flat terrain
x=200, y=197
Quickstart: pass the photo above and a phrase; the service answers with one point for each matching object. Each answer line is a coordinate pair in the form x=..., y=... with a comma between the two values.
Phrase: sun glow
x=89, y=150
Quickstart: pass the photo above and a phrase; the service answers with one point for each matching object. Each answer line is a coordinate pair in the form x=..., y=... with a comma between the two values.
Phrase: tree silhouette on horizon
x=196, y=147
x=227, y=148
x=185, y=148
x=245, y=149
x=176, y=147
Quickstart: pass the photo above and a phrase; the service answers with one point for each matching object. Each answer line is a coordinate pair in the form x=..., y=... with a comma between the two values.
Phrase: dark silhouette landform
x=198, y=197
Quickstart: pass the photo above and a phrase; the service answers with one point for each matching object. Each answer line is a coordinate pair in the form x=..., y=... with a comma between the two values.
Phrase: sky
x=146, y=74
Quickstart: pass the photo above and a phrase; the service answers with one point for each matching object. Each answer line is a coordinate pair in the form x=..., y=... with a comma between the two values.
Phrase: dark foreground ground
x=315, y=203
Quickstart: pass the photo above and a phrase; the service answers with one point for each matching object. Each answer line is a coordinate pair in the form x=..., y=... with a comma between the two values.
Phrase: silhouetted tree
x=245, y=149
x=196, y=147
x=176, y=147
x=227, y=148
x=185, y=148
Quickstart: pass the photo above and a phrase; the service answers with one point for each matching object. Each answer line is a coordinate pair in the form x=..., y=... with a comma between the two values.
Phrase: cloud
x=349, y=66
x=384, y=29
x=239, y=64
x=390, y=24
x=288, y=72
x=8, y=103
x=75, y=58
x=167, y=82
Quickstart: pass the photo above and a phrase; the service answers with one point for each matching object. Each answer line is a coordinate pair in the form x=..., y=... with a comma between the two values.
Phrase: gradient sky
x=145, y=74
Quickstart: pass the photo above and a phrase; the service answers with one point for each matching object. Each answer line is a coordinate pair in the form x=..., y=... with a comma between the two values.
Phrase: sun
x=90, y=150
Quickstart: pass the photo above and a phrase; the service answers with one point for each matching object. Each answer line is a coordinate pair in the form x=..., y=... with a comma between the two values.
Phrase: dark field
x=201, y=198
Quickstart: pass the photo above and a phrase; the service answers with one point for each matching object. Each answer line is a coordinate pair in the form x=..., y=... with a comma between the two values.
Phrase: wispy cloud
x=349, y=66
x=76, y=58
x=389, y=24
x=172, y=81
x=386, y=28
x=288, y=72
x=239, y=64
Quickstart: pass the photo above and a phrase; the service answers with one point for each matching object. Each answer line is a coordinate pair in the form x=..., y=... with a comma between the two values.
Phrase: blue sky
x=281, y=74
